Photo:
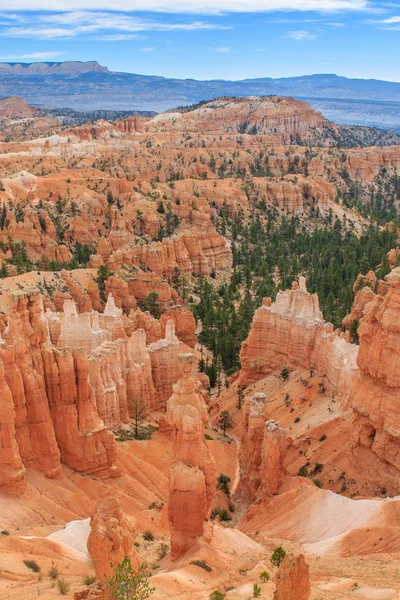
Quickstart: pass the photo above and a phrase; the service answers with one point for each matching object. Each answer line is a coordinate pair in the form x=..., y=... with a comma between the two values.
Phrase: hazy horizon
x=209, y=39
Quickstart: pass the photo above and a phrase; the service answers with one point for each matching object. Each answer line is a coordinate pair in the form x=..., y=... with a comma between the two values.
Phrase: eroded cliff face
x=365, y=379
x=193, y=473
x=67, y=380
x=376, y=432
x=111, y=539
x=274, y=116
x=281, y=334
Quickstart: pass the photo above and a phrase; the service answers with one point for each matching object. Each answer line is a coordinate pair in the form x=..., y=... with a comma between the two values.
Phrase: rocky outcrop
x=193, y=472
x=262, y=450
x=24, y=337
x=15, y=106
x=258, y=116
x=292, y=333
x=282, y=334
x=273, y=453
x=111, y=539
x=68, y=379
x=196, y=253
x=376, y=430
x=185, y=324
x=12, y=473
x=164, y=357
x=293, y=579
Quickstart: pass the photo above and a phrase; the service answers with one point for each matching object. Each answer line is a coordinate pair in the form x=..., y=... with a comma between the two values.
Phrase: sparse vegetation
x=278, y=556
x=148, y=536
x=32, y=564
x=285, y=373
x=264, y=576
x=126, y=584
x=216, y=595
x=63, y=586
x=256, y=590
x=54, y=572
x=202, y=564
x=225, y=421
x=223, y=482
x=163, y=550
x=89, y=579
x=222, y=513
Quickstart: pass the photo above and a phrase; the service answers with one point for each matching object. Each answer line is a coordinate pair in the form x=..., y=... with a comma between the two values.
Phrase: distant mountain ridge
x=51, y=68
x=91, y=86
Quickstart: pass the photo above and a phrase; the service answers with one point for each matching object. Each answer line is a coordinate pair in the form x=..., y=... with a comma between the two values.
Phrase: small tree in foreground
x=278, y=556
x=139, y=414
x=125, y=584
x=225, y=421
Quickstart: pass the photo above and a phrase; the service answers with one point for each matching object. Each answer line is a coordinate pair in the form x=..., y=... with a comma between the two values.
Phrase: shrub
x=317, y=468
x=148, y=536
x=216, y=595
x=63, y=587
x=223, y=483
x=126, y=583
x=54, y=572
x=89, y=579
x=303, y=471
x=297, y=420
x=163, y=550
x=322, y=438
x=317, y=482
x=256, y=590
x=5, y=532
x=32, y=564
x=278, y=556
x=222, y=513
x=202, y=564
x=264, y=576
x=285, y=373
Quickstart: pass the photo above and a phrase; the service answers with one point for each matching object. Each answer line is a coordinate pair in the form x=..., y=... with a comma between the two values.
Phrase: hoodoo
x=193, y=472
x=293, y=579
x=111, y=539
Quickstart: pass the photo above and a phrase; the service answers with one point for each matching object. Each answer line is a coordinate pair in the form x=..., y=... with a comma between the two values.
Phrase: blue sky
x=209, y=39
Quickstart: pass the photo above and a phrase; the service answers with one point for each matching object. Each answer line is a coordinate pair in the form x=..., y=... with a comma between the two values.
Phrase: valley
x=199, y=341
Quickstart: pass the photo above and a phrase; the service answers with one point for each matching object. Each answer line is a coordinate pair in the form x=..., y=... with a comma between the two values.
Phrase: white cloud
x=391, y=20
x=223, y=49
x=34, y=32
x=301, y=35
x=118, y=37
x=72, y=24
x=148, y=49
x=32, y=56
x=335, y=24
x=187, y=6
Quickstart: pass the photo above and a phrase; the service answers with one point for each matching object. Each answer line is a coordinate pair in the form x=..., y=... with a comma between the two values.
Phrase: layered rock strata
x=376, y=432
x=68, y=379
x=193, y=472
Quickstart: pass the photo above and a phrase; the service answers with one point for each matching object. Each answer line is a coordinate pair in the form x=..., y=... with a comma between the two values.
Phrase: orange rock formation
x=193, y=473
x=262, y=449
x=293, y=579
x=111, y=537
